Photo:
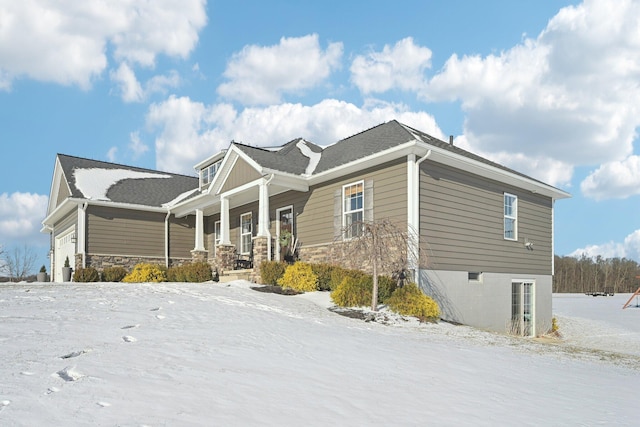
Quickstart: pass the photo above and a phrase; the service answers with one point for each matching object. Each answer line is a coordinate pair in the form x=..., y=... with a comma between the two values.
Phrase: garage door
x=65, y=247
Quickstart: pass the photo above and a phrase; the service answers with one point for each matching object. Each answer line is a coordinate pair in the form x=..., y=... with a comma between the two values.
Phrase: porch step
x=231, y=275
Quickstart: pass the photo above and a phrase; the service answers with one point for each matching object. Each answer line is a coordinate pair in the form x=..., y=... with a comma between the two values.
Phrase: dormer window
x=207, y=174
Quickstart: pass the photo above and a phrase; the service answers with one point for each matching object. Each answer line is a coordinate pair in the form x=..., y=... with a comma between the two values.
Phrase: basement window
x=475, y=276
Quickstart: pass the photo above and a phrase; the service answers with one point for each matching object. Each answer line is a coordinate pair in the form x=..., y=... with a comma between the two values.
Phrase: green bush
x=299, y=277
x=338, y=274
x=271, y=271
x=88, y=274
x=386, y=287
x=114, y=274
x=146, y=273
x=353, y=292
x=410, y=301
x=196, y=272
x=324, y=272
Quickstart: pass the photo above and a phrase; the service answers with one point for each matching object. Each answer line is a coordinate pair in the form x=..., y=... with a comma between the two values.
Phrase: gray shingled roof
x=366, y=143
x=147, y=192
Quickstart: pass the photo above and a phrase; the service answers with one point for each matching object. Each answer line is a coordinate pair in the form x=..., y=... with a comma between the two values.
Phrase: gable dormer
x=208, y=169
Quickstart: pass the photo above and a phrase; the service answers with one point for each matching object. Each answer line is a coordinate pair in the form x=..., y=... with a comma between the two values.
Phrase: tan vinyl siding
x=125, y=232
x=181, y=236
x=241, y=173
x=461, y=221
x=314, y=210
x=67, y=221
x=63, y=192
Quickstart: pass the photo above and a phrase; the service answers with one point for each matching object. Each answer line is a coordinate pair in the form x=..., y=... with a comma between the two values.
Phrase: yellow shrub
x=353, y=292
x=146, y=273
x=299, y=277
x=410, y=301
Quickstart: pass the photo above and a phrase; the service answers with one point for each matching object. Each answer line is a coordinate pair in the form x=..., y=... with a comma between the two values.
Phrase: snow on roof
x=94, y=183
x=314, y=158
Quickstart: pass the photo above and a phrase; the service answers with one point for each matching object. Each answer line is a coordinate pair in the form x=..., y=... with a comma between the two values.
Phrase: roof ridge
x=123, y=165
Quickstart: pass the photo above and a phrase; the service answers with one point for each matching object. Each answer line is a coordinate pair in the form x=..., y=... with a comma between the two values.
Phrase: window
x=475, y=276
x=246, y=231
x=510, y=217
x=352, y=209
x=207, y=174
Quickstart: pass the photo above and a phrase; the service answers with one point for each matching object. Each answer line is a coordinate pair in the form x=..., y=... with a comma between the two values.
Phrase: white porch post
x=199, y=231
x=263, y=211
x=224, y=221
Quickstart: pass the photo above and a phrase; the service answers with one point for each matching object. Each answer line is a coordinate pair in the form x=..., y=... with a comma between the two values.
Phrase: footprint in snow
x=155, y=309
x=4, y=404
x=160, y=316
x=52, y=390
x=128, y=338
x=74, y=354
x=131, y=326
x=69, y=374
x=103, y=404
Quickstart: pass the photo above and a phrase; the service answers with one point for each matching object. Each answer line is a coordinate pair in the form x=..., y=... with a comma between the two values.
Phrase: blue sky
x=550, y=88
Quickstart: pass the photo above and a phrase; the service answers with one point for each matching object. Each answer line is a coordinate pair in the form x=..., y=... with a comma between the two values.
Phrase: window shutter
x=337, y=214
x=368, y=200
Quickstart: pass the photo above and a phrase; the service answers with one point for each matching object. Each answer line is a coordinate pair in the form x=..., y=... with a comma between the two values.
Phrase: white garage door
x=65, y=247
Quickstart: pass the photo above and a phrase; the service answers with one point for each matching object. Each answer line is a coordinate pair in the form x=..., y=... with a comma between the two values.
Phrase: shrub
x=299, y=277
x=43, y=269
x=338, y=274
x=114, y=274
x=146, y=273
x=353, y=292
x=323, y=271
x=410, y=301
x=196, y=272
x=386, y=287
x=88, y=274
x=271, y=271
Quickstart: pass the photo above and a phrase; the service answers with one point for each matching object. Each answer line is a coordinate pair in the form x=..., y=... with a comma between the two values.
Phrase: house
x=487, y=229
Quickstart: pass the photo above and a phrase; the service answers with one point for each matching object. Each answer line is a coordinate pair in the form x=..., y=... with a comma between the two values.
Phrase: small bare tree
x=381, y=245
x=19, y=263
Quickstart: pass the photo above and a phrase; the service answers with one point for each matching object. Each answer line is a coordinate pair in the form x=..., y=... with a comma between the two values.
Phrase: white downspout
x=81, y=236
x=166, y=239
x=413, y=226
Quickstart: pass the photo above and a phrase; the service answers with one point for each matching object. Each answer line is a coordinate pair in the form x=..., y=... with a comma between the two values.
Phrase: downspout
x=84, y=234
x=166, y=238
x=414, y=226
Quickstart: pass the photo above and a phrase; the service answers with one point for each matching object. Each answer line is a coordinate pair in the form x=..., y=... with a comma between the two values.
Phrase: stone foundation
x=199, y=256
x=100, y=262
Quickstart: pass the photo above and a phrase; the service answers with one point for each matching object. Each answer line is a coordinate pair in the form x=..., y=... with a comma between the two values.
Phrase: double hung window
x=510, y=217
x=352, y=209
x=246, y=232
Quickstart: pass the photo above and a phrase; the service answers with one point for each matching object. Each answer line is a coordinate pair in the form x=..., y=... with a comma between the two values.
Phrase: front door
x=523, y=308
x=284, y=232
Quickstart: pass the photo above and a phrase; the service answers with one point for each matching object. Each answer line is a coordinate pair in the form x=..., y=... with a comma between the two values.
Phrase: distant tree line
x=586, y=274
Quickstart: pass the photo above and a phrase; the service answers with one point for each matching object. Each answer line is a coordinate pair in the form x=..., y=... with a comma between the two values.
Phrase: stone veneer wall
x=100, y=262
x=224, y=258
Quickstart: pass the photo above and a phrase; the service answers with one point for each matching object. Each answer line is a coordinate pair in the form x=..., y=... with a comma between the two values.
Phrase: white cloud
x=66, y=41
x=130, y=88
x=401, y=66
x=112, y=153
x=190, y=131
x=613, y=180
x=262, y=74
x=132, y=91
x=136, y=145
x=570, y=94
x=20, y=217
x=629, y=248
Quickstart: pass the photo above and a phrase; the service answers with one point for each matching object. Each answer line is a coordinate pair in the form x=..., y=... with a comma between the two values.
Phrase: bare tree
x=381, y=246
x=19, y=263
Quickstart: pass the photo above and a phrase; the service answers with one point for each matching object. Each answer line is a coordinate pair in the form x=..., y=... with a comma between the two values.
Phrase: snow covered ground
x=210, y=354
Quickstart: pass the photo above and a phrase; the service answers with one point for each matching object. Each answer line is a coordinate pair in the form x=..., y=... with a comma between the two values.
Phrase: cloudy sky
x=550, y=88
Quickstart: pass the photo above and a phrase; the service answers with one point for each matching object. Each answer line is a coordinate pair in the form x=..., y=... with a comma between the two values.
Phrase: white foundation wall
x=485, y=304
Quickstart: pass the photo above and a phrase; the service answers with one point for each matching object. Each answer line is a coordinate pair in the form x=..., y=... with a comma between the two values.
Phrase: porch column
x=263, y=211
x=199, y=231
x=224, y=221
